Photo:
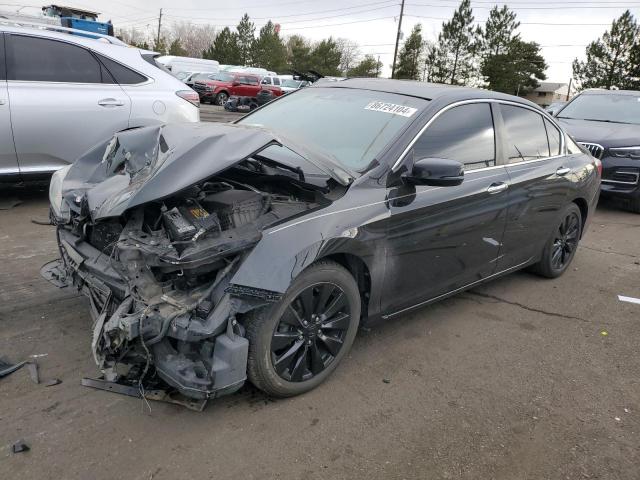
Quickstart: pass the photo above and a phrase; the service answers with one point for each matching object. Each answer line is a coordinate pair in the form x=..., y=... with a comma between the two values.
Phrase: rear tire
x=561, y=247
x=298, y=342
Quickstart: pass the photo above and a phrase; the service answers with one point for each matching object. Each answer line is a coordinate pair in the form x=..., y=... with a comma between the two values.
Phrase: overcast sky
x=373, y=23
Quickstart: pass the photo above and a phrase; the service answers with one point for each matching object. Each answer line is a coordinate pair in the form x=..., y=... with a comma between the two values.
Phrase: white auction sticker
x=391, y=108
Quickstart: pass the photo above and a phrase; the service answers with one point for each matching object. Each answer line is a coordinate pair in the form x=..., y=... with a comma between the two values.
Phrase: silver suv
x=62, y=92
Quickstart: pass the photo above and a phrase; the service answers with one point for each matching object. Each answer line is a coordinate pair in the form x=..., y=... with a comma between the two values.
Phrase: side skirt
x=458, y=290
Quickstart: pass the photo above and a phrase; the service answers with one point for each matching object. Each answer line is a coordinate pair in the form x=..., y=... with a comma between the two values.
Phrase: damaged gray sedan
x=211, y=253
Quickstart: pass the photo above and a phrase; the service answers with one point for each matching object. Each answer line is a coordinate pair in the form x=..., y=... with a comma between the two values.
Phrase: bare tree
x=193, y=38
x=132, y=36
x=349, y=54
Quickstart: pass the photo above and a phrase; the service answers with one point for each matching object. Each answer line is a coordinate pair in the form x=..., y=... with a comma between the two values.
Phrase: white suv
x=62, y=92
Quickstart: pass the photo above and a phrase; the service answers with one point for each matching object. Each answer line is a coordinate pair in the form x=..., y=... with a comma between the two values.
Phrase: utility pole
x=159, y=25
x=395, y=52
x=569, y=89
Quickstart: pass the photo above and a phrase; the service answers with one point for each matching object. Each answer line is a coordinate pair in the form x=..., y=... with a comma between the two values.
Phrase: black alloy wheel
x=297, y=342
x=311, y=332
x=565, y=241
x=560, y=249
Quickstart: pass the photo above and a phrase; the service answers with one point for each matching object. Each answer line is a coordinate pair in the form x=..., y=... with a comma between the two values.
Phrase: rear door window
x=43, y=60
x=252, y=81
x=525, y=132
x=463, y=133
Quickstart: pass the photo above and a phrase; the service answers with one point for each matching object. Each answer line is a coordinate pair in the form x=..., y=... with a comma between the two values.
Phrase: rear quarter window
x=121, y=74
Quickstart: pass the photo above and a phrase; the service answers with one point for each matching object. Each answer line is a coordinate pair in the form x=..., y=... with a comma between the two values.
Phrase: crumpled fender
x=285, y=251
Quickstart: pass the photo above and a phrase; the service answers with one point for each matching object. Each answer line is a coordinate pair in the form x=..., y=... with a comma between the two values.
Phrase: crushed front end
x=157, y=275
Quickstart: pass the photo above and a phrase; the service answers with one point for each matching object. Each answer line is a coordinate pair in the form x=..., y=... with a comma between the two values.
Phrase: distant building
x=549, y=92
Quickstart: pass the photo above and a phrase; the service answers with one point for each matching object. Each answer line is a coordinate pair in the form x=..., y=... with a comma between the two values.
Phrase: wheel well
x=360, y=273
x=584, y=210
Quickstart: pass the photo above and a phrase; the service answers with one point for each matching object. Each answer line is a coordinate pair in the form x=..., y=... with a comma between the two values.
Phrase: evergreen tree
x=509, y=64
x=269, y=51
x=458, y=44
x=517, y=70
x=409, y=57
x=245, y=38
x=499, y=32
x=610, y=59
x=299, y=53
x=325, y=57
x=176, y=49
x=160, y=46
x=369, y=66
x=225, y=48
x=435, y=68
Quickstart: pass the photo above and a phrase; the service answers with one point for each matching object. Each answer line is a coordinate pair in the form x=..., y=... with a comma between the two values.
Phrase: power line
x=275, y=18
x=524, y=23
x=517, y=8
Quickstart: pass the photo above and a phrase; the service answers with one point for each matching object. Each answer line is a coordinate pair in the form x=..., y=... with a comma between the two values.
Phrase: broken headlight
x=59, y=206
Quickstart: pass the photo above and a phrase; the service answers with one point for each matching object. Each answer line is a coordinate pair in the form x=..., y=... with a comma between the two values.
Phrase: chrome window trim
x=444, y=109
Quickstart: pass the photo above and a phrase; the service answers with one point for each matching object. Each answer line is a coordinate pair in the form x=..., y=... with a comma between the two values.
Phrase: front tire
x=298, y=342
x=221, y=99
x=560, y=249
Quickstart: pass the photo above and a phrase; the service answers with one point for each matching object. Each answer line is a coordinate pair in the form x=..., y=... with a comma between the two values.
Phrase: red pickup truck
x=217, y=88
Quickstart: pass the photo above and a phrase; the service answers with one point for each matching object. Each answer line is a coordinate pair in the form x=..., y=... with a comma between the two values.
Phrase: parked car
x=191, y=79
x=61, y=93
x=607, y=123
x=178, y=65
x=258, y=248
x=218, y=89
x=292, y=85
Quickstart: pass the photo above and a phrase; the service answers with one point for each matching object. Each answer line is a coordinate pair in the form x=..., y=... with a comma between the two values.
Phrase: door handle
x=497, y=187
x=563, y=171
x=2, y=102
x=110, y=102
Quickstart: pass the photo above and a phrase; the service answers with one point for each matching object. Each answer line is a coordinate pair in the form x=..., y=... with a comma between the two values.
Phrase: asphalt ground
x=521, y=378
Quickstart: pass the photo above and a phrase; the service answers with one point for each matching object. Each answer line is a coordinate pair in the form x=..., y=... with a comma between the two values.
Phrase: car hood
x=147, y=164
x=603, y=133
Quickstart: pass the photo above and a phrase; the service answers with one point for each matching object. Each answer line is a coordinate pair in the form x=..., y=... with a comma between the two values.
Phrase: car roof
x=425, y=90
x=603, y=91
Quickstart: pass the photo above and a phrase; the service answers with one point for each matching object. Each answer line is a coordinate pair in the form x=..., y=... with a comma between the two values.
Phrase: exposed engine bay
x=158, y=275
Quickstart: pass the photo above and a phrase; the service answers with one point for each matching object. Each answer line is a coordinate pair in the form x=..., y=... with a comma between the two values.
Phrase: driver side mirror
x=235, y=83
x=438, y=172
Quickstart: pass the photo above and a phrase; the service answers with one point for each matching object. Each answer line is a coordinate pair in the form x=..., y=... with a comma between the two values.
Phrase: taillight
x=190, y=96
x=598, y=166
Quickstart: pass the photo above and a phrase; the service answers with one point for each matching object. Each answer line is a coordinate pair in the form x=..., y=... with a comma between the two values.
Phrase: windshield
x=609, y=107
x=352, y=126
x=291, y=83
x=223, y=77
x=203, y=76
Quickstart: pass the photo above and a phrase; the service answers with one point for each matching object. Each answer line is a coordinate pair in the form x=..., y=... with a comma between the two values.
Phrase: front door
x=443, y=238
x=8, y=160
x=63, y=102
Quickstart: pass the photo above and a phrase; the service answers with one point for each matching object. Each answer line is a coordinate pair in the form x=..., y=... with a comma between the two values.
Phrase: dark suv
x=607, y=123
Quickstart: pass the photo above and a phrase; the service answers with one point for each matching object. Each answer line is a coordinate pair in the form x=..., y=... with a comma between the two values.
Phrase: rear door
x=8, y=159
x=539, y=182
x=443, y=238
x=63, y=101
